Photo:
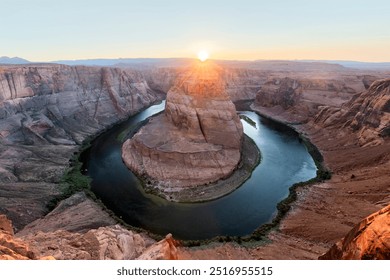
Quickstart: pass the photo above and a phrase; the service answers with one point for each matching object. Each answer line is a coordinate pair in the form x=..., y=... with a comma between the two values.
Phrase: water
x=285, y=161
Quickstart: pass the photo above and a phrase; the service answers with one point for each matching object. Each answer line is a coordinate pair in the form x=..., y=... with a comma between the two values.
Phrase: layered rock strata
x=367, y=115
x=79, y=229
x=198, y=138
x=104, y=243
x=46, y=112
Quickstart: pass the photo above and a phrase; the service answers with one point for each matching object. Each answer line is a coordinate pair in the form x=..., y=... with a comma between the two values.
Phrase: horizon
x=44, y=31
x=194, y=58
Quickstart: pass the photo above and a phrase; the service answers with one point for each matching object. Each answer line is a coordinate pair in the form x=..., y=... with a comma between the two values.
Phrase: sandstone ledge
x=250, y=158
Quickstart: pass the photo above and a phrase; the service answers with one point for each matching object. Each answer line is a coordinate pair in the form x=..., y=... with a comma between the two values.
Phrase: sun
x=203, y=56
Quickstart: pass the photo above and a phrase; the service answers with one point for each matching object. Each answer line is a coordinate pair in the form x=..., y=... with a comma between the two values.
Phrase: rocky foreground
x=196, y=141
x=46, y=111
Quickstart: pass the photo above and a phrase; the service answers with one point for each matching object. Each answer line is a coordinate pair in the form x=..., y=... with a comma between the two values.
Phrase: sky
x=47, y=30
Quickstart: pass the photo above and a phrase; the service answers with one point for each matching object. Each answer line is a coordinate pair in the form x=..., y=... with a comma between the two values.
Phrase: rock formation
x=77, y=213
x=368, y=114
x=370, y=239
x=12, y=248
x=104, y=243
x=280, y=92
x=62, y=105
x=79, y=229
x=196, y=141
x=372, y=118
x=163, y=250
x=297, y=99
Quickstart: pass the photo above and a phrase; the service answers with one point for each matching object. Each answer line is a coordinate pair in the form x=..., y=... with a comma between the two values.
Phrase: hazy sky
x=44, y=30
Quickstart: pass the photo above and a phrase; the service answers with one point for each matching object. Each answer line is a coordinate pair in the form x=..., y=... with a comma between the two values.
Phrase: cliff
x=62, y=105
x=367, y=115
x=46, y=112
x=298, y=98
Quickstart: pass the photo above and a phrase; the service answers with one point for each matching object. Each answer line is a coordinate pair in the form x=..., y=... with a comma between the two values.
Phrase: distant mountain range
x=13, y=60
x=181, y=62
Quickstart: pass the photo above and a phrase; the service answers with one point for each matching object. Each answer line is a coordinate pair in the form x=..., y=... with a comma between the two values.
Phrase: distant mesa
x=196, y=141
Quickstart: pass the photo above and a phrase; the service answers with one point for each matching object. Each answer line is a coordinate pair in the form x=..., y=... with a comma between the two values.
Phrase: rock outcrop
x=370, y=239
x=372, y=118
x=105, y=243
x=79, y=229
x=196, y=141
x=163, y=250
x=297, y=99
x=280, y=92
x=367, y=115
x=12, y=248
x=77, y=213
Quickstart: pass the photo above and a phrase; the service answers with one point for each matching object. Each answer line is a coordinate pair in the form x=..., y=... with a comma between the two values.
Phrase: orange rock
x=370, y=239
x=12, y=248
x=163, y=250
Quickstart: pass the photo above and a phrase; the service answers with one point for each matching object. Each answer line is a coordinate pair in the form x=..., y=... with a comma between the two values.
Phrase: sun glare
x=203, y=56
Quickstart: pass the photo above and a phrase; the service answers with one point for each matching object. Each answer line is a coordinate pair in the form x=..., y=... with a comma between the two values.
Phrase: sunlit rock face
x=370, y=239
x=197, y=140
x=199, y=104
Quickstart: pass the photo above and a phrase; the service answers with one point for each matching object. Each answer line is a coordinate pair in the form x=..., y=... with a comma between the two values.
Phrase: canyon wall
x=297, y=98
x=57, y=104
x=46, y=112
x=367, y=115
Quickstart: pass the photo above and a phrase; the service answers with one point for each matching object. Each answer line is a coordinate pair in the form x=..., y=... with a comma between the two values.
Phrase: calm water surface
x=285, y=161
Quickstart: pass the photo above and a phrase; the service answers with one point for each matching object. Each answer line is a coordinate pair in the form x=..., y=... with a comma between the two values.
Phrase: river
x=284, y=161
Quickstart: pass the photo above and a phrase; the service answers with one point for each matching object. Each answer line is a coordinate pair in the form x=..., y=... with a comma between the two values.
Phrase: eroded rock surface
x=370, y=239
x=105, y=243
x=298, y=99
x=12, y=248
x=77, y=213
x=163, y=250
x=198, y=138
x=368, y=115
x=79, y=229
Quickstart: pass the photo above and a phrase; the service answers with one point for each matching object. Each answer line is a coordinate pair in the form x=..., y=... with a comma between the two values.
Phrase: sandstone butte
x=196, y=141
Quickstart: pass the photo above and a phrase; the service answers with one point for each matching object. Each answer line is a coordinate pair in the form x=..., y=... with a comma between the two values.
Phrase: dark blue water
x=285, y=161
